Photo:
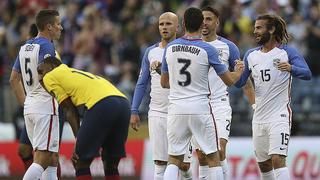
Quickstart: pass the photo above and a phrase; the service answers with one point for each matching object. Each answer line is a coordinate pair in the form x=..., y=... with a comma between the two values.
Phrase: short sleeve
x=46, y=50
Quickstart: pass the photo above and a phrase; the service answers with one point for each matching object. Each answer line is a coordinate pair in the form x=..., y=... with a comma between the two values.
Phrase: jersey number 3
x=28, y=71
x=183, y=71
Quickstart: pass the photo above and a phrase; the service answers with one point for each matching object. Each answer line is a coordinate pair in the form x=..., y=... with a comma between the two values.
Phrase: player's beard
x=264, y=38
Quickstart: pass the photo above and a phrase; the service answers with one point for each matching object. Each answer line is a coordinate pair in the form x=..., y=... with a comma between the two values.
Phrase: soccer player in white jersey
x=185, y=67
x=40, y=108
x=158, y=108
x=272, y=65
x=219, y=99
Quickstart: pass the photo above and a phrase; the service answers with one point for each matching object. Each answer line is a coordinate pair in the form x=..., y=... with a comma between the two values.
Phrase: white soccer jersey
x=37, y=99
x=272, y=87
x=159, y=96
x=228, y=53
x=187, y=62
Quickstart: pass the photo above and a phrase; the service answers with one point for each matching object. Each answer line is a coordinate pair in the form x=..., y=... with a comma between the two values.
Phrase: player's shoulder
x=252, y=50
x=150, y=48
x=39, y=40
x=228, y=42
x=289, y=49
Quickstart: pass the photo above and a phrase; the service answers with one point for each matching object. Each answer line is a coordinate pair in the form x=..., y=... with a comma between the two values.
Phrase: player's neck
x=210, y=37
x=44, y=35
x=164, y=42
x=192, y=35
x=269, y=46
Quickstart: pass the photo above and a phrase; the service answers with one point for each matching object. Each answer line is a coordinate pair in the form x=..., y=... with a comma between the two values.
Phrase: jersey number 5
x=184, y=71
x=28, y=71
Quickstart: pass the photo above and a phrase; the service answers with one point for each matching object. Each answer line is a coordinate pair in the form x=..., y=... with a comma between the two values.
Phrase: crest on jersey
x=46, y=56
x=276, y=62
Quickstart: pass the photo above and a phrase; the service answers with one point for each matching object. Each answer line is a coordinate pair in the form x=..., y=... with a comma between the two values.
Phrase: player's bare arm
x=135, y=121
x=71, y=114
x=165, y=80
x=230, y=78
x=17, y=87
x=249, y=91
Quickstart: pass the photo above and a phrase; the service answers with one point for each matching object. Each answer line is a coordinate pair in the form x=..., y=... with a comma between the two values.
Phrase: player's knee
x=184, y=166
x=24, y=151
x=202, y=158
x=160, y=163
x=265, y=166
x=278, y=161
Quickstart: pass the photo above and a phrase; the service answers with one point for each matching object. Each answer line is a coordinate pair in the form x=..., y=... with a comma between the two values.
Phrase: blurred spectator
x=313, y=39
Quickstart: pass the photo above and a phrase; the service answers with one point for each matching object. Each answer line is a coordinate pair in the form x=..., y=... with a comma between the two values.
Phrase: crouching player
x=105, y=123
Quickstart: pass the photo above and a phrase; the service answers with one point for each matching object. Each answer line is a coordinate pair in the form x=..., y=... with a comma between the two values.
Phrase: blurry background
x=109, y=37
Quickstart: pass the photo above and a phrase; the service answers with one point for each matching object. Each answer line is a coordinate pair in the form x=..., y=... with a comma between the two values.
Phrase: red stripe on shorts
x=49, y=133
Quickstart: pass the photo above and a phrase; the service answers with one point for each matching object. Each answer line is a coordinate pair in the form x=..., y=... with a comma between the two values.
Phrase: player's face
x=167, y=28
x=210, y=23
x=56, y=28
x=261, y=33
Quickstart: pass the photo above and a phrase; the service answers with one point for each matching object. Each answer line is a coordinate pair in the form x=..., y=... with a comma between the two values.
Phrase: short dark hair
x=193, y=19
x=33, y=31
x=52, y=60
x=44, y=17
x=281, y=33
x=211, y=9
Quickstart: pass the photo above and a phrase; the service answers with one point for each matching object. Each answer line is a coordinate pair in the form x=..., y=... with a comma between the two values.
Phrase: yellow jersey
x=82, y=87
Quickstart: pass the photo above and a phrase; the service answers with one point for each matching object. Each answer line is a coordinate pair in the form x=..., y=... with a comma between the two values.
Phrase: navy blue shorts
x=104, y=126
x=24, y=139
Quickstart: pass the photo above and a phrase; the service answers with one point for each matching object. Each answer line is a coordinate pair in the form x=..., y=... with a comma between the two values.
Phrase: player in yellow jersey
x=105, y=123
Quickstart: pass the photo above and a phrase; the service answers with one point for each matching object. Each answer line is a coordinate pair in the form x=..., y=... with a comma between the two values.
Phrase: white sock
x=50, y=173
x=203, y=172
x=186, y=175
x=282, y=173
x=225, y=170
x=268, y=175
x=171, y=173
x=216, y=173
x=159, y=171
x=34, y=172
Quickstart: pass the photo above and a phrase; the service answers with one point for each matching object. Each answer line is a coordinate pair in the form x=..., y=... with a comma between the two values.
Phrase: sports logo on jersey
x=276, y=62
x=220, y=52
x=46, y=56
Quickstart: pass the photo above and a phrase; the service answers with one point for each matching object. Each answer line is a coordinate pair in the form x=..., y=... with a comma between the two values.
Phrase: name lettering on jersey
x=29, y=47
x=283, y=115
x=185, y=48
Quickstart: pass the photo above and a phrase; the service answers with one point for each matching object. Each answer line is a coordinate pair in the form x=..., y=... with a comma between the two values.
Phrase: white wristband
x=253, y=106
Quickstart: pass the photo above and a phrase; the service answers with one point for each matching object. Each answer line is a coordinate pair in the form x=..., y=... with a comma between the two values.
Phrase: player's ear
x=272, y=30
x=49, y=26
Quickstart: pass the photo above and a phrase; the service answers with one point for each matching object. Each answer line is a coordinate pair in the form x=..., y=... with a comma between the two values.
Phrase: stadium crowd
x=108, y=37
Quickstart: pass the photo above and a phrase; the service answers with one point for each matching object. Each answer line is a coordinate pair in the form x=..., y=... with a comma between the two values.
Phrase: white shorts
x=159, y=141
x=270, y=138
x=182, y=127
x=222, y=114
x=43, y=131
x=158, y=137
